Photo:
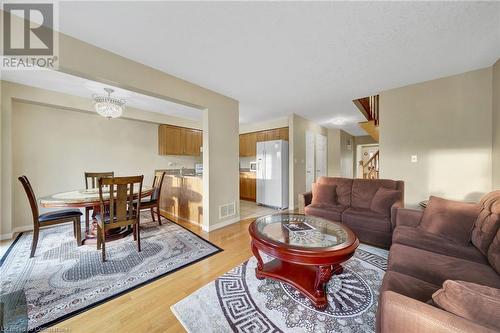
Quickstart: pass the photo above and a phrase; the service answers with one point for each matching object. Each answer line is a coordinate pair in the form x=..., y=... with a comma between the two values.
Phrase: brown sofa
x=419, y=263
x=352, y=208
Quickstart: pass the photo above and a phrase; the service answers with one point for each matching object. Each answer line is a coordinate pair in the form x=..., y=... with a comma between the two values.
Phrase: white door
x=321, y=158
x=309, y=160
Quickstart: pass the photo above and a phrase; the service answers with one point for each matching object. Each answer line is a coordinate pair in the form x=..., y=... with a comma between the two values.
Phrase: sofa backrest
x=344, y=186
x=363, y=190
x=488, y=221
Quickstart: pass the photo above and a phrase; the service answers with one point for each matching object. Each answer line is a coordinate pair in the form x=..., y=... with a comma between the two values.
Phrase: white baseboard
x=16, y=231
x=220, y=224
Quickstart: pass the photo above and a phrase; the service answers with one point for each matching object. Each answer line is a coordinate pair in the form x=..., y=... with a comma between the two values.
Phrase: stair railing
x=370, y=168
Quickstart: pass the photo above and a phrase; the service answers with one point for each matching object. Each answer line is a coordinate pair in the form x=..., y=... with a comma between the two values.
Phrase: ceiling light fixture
x=108, y=106
x=338, y=121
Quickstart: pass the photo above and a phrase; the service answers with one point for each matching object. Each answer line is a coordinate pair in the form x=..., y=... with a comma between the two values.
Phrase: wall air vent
x=227, y=210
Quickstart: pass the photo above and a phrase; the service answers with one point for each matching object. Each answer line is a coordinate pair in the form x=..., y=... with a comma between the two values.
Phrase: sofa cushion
x=372, y=237
x=329, y=212
x=436, y=268
x=487, y=222
x=470, y=301
x=408, y=286
x=344, y=186
x=416, y=237
x=450, y=219
x=363, y=190
x=494, y=253
x=383, y=200
x=366, y=219
x=324, y=194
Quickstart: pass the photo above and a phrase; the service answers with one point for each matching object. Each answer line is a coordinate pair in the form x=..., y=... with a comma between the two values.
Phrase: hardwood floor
x=147, y=309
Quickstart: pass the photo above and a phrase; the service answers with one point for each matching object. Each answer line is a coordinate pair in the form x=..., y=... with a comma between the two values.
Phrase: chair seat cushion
x=416, y=237
x=59, y=214
x=329, y=212
x=435, y=268
x=366, y=219
x=146, y=200
x=106, y=218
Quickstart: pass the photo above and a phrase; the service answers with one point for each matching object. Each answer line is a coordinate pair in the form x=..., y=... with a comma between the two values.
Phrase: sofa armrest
x=304, y=200
x=408, y=217
x=403, y=314
x=394, y=209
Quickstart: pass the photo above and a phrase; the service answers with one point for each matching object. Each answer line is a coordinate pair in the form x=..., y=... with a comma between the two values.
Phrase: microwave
x=253, y=166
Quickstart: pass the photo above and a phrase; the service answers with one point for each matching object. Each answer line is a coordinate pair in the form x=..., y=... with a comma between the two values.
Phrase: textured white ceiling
x=77, y=86
x=282, y=57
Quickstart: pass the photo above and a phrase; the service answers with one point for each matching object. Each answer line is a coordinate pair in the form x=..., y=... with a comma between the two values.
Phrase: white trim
x=220, y=224
x=16, y=231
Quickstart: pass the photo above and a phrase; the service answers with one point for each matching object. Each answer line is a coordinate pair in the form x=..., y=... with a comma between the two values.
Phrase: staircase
x=369, y=108
x=370, y=168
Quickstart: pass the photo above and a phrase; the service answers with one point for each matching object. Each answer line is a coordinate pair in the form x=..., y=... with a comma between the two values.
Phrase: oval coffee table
x=307, y=251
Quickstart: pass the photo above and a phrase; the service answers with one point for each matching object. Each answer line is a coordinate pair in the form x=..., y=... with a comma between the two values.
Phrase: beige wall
x=297, y=148
x=55, y=143
x=334, y=152
x=496, y=125
x=447, y=124
x=340, y=156
x=220, y=121
x=264, y=125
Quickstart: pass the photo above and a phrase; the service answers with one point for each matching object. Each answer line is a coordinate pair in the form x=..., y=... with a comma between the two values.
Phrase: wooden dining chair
x=92, y=181
x=153, y=202
x=121, y=211
x=50, y=218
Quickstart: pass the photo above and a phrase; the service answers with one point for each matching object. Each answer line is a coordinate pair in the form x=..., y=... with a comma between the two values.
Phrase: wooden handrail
x=371, y=159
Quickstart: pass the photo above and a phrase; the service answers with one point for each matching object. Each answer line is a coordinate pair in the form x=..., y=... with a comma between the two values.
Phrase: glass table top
x=301, y=230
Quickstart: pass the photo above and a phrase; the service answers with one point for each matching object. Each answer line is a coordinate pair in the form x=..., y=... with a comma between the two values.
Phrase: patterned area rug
x=238, y=302
x=63, y=280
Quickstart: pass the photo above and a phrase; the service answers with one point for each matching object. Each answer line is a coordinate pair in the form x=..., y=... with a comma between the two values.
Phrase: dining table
x=82, y=198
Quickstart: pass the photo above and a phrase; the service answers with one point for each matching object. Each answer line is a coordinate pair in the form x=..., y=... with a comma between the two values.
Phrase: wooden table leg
x=323, y=275
x=260, y=262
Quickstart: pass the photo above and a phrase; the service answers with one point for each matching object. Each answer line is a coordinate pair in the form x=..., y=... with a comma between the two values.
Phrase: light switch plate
x=414, y=159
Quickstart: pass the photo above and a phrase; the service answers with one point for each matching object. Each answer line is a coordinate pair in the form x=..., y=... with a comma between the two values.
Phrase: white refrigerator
x=272, y=173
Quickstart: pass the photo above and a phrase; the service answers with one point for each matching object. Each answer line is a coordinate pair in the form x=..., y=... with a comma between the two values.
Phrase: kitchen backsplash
x=245, y=162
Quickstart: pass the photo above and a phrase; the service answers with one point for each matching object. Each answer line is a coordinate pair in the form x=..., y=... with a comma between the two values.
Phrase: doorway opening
x=367, y=161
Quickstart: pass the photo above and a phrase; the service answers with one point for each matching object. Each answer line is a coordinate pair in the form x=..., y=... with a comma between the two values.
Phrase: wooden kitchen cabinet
x=174, y=140
x=248, y=144
x=248, y=141
x=192, y=141
x=248, y=186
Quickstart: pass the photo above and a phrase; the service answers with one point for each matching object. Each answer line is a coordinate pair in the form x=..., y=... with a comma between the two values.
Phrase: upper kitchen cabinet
x=174, y=140
x=192, y=140
x=248, y=141
x=248, y=144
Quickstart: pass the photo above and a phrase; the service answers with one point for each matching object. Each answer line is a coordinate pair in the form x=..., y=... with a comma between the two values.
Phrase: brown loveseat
x=352, y=207
x=420, y=261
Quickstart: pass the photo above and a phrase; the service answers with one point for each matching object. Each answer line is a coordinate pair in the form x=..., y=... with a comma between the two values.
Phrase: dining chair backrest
x=31, y=198
x=122, y=192
x=92, y=178
x=157, y=183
